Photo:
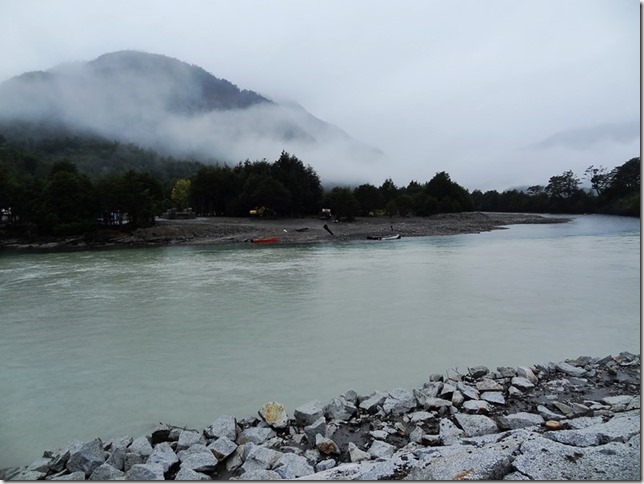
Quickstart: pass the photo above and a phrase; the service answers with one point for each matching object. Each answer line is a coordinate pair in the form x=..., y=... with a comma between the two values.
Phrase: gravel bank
x=577, y=419
x=228, y=230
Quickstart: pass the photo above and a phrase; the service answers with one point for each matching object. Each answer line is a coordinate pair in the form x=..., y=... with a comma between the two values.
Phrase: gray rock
x=350, y=396
x=222, y=448
x=493, y=397
x=145, y=472
x=399, y=401
x=26, y=475
x=435, y=377
x=106, y=472
x=199, y=461
x=141, y=446
x=568, y=369
x=477, y=406
x=159, y=434
x=528, y=374
x=435, y=389
x=457, y=398
x=436, y=403
x=419, y=416
x=522, y=383
x=474, y=425
x=488, y=385
x=326, y=446
x=74, y=476
x=388, y=469
x=547, y=414
x=343, y=472
x=117, y=458
x=164, y=455
x=224, y=426
x=59, y=460
x=371, y=403
x=132, y=459
x=291, y=466
x=468, y=391
x=416, y=435
x=449, y=433
x=463, y=463
x=339, y=409
x=260, y=475
x=479, y=371
x=88, y=457
x=379, y=434
x=256, y=435
x=188, y=438
x=308, y=413
x=520, y=420
x=620, y=428
x=447, y=390
x=274, y=414
x=190, y=475
x=544, y=459
x=506, y=371
x=260, y=458
x=356, y=454
x=325, y=465
x=317, y=427
x=381, y=450
x=563, y=408
x=619, y=400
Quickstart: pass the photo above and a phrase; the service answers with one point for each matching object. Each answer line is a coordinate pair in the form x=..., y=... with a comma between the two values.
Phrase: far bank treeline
x=54, y=191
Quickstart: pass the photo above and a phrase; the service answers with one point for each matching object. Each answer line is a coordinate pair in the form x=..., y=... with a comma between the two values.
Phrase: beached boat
x=385, y=237
x=265, y=240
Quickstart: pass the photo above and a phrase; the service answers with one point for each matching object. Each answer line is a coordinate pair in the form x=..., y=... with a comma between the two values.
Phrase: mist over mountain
x=178, y=109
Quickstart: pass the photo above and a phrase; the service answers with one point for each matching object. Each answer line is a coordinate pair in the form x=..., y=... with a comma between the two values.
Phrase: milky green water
x=110, y=343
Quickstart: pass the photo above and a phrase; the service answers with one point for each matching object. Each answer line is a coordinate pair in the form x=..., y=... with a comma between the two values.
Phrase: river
x=111, y=342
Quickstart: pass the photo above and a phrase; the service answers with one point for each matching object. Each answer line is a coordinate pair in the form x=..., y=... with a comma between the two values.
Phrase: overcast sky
x=498, y=93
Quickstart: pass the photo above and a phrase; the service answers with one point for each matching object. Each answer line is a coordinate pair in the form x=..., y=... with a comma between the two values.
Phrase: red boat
x=266, y=240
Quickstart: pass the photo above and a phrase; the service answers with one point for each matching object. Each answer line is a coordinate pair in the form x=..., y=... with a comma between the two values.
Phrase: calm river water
x=109, y=343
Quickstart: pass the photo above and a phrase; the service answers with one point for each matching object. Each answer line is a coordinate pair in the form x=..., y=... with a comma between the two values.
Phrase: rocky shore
x=229, y=230
x=577, y=419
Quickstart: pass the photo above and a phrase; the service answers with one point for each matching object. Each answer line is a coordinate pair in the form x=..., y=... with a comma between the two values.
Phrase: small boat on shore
x=265, y=240
x=385, y=237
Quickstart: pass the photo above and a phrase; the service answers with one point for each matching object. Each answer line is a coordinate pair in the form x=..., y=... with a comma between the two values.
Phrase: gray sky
x=498, y=93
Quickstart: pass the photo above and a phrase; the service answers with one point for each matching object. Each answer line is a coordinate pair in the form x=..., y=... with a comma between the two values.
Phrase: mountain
x=178, y=109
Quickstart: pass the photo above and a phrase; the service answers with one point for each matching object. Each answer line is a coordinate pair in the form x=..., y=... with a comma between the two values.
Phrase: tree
x=369, y=198
x=563, y=186
x=301, y=181
x=342, y=203
x=599, y=178
x=68, y=203
x=181, y=193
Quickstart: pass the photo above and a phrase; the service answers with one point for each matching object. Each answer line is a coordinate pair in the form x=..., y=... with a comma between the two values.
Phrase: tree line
x=57, y=198
x=615, y=191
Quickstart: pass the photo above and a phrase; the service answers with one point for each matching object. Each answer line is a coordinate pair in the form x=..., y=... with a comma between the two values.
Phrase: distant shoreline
x=231, y=230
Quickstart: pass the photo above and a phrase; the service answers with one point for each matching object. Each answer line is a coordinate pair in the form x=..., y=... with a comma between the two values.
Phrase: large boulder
x=520, y=420
x=222, y=448
x=260, y=458
x=106, y=472
x=474, y=425
x=339, y=409
x=199, y=461
x=256, y=435
x=145, y=472
x=291, y=466
x=399, y=401
x=163, y=455
x=88, y=457
x=224, y=426
x=308, y=413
